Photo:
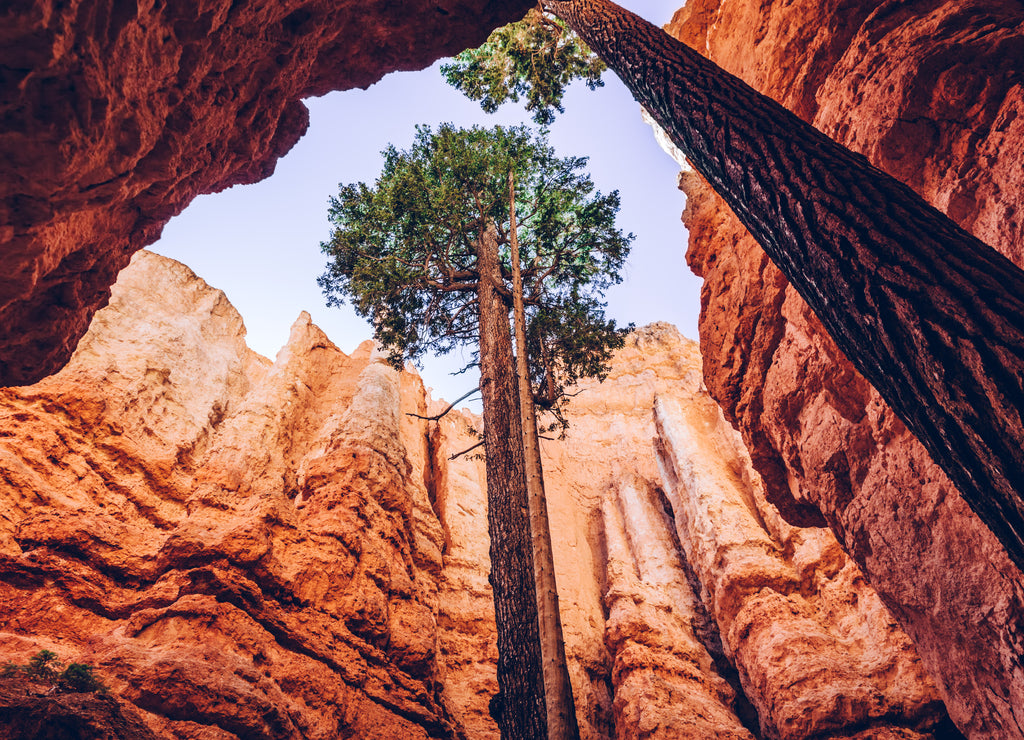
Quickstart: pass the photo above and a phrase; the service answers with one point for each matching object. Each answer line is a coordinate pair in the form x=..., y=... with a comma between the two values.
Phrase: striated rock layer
x=245, y=549
x=930, y=91
x=257, y=549
x=115, y=115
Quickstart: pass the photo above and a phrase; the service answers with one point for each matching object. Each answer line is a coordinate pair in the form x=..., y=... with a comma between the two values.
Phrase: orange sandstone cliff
x=932, y=92
x=246, y=548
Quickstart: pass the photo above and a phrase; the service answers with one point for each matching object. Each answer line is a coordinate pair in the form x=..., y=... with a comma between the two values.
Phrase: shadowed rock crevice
x=705, y=629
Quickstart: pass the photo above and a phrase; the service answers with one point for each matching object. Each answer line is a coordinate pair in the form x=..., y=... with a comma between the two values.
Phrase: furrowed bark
x=520, y=706
x=561, y=710
x=931, y=316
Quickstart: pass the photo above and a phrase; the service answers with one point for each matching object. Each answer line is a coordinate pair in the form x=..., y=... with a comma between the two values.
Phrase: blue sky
x=260, y=243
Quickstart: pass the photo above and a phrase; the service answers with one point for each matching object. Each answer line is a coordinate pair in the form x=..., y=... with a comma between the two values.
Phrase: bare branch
x=450, y=287
x=468, y=449
x=450, y=407
x=451, y=321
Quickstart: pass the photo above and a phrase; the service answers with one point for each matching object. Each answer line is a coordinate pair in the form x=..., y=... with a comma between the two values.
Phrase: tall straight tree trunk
x=561, y=710
x=931, y=316
x=520, y=707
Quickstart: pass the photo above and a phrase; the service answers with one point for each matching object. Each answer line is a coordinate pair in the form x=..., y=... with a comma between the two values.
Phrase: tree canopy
x=536, y=58
x=425, y=254
x=404, y=250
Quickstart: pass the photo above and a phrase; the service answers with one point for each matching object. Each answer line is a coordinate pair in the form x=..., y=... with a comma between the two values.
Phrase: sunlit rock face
x=115, y=115
x=778, y=626
x=930, y=92
x=247, y=548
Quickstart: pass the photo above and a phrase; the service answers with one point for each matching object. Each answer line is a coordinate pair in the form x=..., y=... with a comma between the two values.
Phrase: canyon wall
x=114, y=115
x=930, y=91
x=281, y=541
x=256, y=549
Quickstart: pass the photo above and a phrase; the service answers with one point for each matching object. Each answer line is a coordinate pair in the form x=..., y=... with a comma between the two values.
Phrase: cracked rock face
x=246, y=548
x=116, y=115
x=931, y=92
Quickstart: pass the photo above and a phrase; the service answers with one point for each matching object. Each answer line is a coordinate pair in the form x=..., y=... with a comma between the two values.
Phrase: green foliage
x=536, y=58
x=80, y=678
x=573, y=341
x=404, y=250
x=44, y=667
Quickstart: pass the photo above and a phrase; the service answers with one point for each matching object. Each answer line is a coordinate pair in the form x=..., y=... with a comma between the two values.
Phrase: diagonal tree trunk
x=931, y=316
x=519, y=707
x=561, y=711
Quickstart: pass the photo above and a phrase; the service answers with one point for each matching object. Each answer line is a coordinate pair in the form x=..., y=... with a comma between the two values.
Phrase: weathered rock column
x=666, y=684
x=817, y=652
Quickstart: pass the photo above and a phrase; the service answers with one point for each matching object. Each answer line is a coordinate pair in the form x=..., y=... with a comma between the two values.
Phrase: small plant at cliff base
x=536, y=58
x=425, y=254
x=45, y=668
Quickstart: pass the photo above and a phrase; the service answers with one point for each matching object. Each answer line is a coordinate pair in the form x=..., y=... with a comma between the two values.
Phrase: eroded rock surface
x=931, y=92
x=714, y=625
x=116, y=115
x=29, y=711
x=666, y=681
x=816, y=649
x=247, y=548
x=244, y=549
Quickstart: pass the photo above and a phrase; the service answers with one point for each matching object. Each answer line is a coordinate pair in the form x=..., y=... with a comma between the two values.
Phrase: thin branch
x=450, y=407
x=450, y=287
x=450, y=326
x=469, y=449
x=466, y=369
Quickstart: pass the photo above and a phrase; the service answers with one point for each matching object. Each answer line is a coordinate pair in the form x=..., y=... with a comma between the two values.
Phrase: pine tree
x=535, y=58
x=425, y=255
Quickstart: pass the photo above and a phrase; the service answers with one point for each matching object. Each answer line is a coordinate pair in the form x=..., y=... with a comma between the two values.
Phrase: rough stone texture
x=815, y=649
x=247, y=548
x=666, y=683
x=30, y=711
x=244, y=549
x=114, y=115
x=930, y=91
x=817, y=652
x=467, y=638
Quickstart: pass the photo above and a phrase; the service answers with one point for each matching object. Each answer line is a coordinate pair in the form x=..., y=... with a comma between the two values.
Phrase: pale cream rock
x=665, y=682
x=816, y=650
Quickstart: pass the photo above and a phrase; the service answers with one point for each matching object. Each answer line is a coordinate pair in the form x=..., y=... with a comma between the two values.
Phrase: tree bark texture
x=520, y=707
x=931, y=316
x=561, y=709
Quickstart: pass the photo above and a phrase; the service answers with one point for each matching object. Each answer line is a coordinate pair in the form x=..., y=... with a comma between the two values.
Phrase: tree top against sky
x=403, y=251
x=535, y=58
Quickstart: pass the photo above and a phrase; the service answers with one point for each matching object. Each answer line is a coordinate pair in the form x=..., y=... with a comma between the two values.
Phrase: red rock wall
x=114, y=115
x=931, y=91
x=247, y=548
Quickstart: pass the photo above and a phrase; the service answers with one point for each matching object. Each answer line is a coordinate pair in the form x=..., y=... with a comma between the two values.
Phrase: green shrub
x=80, y=678
x=44, y=667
